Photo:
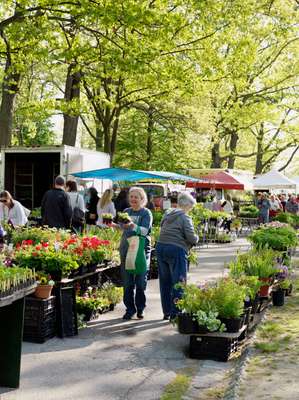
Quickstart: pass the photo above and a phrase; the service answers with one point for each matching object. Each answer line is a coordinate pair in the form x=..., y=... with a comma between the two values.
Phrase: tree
x=258, y=72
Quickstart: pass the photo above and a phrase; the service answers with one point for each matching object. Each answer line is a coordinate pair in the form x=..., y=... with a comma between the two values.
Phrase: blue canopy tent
x=123, y=174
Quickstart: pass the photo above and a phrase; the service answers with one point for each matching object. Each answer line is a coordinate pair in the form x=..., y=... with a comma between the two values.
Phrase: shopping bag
x=135, y=259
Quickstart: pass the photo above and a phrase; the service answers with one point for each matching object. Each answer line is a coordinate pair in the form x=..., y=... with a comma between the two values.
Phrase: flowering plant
x=282, y=272
x=44, y=257
x=44, y=279
x=35, y=235
x=98, y=299
x=86, y=250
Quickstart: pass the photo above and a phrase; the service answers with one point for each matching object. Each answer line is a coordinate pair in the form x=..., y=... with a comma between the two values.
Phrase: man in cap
x=56, y=209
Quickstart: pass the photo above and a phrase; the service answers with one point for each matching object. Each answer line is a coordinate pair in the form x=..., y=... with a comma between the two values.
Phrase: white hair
x=141, y=194
x=185, y=200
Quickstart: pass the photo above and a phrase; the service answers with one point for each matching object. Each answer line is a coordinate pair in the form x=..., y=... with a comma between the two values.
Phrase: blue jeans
x=134, y=288
x=264, y=216
x=172, y=266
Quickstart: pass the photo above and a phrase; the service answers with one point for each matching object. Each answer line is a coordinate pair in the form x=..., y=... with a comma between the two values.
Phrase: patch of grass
x=270, y=329
x=176, y=388
x=216, y=393
x=268, y=347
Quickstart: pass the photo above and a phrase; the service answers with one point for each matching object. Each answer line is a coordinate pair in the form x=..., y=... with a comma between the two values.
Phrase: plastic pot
x=265, y=289
x=186, y=325
x=278, y=297
x=233, y=324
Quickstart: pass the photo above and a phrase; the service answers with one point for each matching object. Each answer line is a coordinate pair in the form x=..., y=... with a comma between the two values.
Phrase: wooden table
x=11, y=336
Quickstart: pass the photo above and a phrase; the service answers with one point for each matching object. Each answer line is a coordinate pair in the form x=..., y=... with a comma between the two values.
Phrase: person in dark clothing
x=150, y=203
x=91, y=206
x=56, y=209
x=177, y=236
x=121, y=201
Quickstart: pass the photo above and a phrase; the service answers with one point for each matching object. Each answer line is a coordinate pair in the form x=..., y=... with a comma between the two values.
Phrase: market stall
x=274, y=181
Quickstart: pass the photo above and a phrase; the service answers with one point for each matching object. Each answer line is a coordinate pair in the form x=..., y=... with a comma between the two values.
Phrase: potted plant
x=275, y=235
x=252, y=286
x=278, y=294
x=208, y=321
x=188, y=305
x=199, y=313
x=96, y=301
x=44, y=287
x=112, y=293
x=49, y=259
x=249, y=212
x=107, y=219
x=260, y=262
x=229, y=300
x=123, y=218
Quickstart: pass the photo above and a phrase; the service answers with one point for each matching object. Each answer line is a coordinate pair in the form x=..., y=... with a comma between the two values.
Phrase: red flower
x=46, y=244
x=28, y=242
x=38, y=247
x=34, y=253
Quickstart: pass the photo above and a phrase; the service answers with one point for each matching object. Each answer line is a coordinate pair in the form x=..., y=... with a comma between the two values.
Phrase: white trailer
x=28, y=172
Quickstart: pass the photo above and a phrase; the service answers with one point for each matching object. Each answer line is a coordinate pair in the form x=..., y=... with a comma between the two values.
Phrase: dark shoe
x=140, y=315
x=166, y=317
x=127, y=316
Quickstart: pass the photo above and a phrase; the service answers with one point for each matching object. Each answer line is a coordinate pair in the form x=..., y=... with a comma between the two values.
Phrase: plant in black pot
x=261, y=263
x=123, y=218
x=107, y=219
x=278, y=294
x=229, y=299
x=188, y=305
x=208, y=321
x=252, y=286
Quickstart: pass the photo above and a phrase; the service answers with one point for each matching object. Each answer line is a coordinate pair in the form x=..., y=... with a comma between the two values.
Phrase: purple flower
x=283, y=272
x=8, y=262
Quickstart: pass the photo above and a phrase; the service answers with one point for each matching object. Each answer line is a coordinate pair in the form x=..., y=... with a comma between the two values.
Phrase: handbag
x=78, y=217
x=135, y=259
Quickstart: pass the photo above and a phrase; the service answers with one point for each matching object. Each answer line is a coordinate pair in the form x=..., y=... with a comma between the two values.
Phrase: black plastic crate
x=212, y=348
x=40, y=306
x=39, y=319
x=66, y=315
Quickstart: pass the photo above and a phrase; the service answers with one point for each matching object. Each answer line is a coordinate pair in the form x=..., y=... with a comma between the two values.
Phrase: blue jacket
x=144, y=220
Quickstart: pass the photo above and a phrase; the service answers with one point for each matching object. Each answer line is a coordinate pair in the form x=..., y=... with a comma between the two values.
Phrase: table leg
x=11, y=336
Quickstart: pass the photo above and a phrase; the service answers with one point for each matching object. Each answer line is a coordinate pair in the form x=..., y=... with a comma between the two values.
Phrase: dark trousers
x=172, y=265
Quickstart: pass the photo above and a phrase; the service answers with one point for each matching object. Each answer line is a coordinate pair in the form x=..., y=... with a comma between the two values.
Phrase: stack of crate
x=39, y=319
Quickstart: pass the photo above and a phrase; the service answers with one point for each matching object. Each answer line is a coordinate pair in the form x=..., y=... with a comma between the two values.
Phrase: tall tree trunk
x=10, y=88
x=260, y=151
x=114, y=134
x=232, y=150
x=72, y=93
x=216, y=159
x=99, y=138
x=149, y=139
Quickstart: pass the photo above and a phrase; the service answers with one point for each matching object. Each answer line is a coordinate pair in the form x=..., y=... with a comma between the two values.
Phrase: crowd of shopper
x=64, y=207
x=270, y=205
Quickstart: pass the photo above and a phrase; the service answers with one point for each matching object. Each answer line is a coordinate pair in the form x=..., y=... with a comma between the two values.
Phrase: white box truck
x=28, y=172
